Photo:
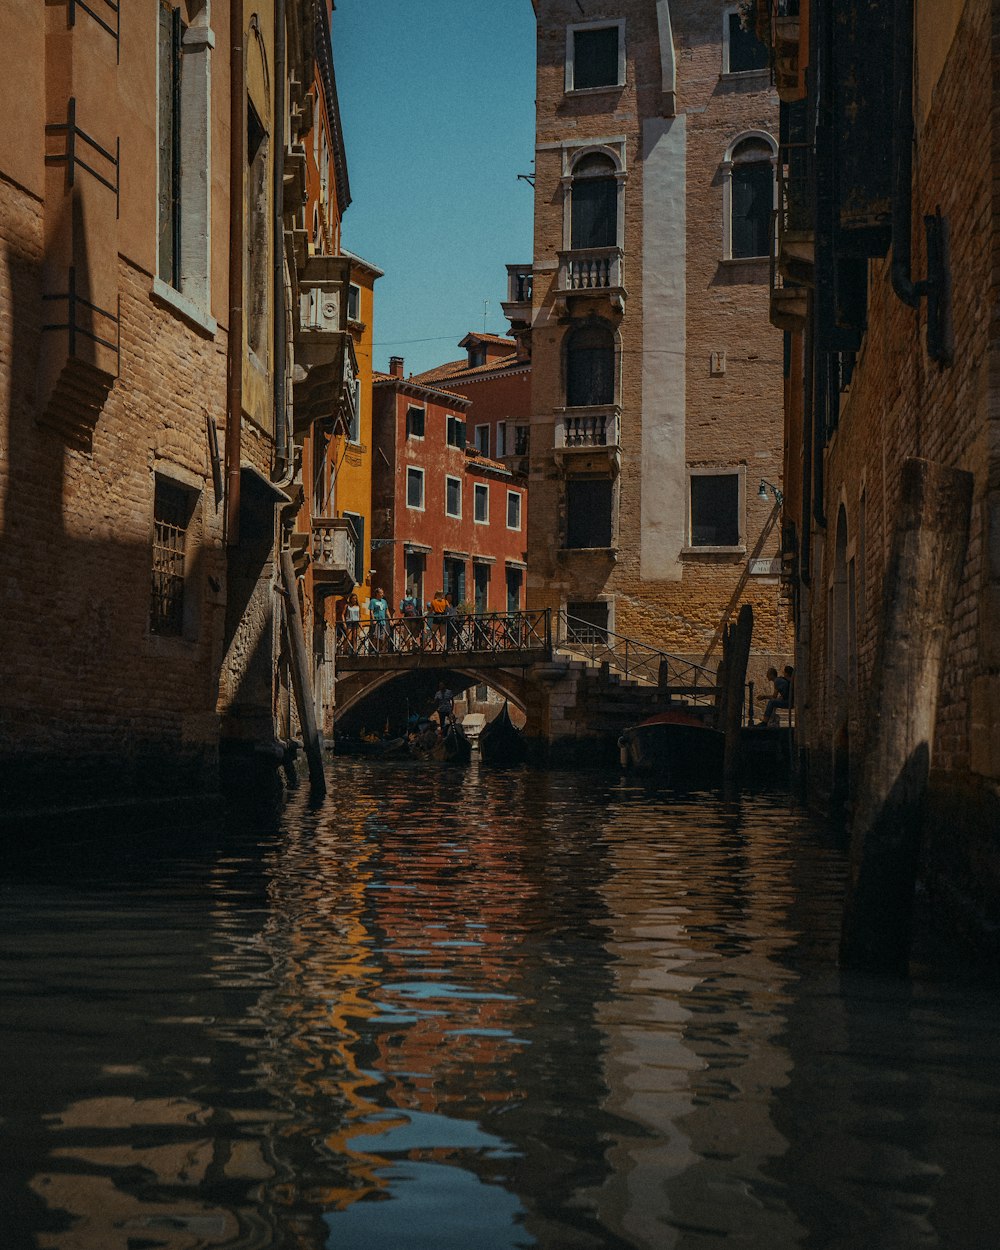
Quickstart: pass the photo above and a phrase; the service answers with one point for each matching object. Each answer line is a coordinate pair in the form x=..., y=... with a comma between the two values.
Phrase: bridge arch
x=355, y=687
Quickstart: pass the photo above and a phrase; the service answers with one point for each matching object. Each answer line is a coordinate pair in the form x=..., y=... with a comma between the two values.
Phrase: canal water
x=451, y=1010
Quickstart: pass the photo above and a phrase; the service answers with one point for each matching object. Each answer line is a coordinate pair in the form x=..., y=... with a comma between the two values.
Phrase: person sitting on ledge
x=777, y=699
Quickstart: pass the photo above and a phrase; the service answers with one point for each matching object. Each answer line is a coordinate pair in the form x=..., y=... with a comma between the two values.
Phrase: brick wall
x=90, y=700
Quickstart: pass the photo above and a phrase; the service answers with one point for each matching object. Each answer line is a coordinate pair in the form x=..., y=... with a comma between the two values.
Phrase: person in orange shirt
x=438, y=606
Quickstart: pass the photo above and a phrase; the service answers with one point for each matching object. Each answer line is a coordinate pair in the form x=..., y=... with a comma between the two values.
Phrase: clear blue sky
x=437, y=99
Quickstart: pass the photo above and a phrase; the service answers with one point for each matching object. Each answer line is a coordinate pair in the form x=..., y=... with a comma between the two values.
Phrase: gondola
x=501, y=744
x=453, y=748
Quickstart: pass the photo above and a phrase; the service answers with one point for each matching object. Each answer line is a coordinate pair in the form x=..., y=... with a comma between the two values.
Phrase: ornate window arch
x=593, y=195
x=748, y=195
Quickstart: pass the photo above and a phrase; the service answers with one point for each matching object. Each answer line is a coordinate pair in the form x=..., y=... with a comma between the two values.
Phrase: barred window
x=173, y=506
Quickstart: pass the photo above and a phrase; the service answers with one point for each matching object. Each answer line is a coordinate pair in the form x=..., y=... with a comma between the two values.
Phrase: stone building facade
x=874, y=380
x=144, y=427
x=656, y=383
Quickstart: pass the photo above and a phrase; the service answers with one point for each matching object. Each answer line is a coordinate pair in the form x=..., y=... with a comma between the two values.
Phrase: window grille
x=172, y=506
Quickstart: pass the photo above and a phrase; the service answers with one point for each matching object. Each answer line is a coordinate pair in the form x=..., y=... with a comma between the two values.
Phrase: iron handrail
x=630, y=657
x=475, y=633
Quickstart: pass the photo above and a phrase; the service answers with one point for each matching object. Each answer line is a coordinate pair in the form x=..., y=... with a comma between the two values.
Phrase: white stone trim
x=190, y=311
x=664, y=302
x=450, y=477
x=603, y=24
x=574, y=151
x=727, y=188
x=422, y=505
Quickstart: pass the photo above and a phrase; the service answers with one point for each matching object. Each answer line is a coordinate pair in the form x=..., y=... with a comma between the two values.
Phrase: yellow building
x=352, y=454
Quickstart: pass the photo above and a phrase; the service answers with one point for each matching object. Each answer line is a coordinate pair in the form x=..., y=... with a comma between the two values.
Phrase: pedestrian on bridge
x=409, y=610
x=438, y=606
x=378, y=610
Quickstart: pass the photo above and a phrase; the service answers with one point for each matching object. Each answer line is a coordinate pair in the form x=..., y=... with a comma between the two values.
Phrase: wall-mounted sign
x=765, y=568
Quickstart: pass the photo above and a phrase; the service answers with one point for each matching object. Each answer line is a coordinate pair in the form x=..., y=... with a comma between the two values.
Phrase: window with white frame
x=481, y=502
x=455, y=432
x=483, y=439
x=715, y=508
x=414, y=487
x=742, y=51
x=501, y=447
x=595, y=55
x=415, y=418
x=353, y=302
x=513, y=510
x=453, y=496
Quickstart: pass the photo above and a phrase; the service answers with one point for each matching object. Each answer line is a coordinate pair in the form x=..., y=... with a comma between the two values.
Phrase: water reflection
x=454, y=1010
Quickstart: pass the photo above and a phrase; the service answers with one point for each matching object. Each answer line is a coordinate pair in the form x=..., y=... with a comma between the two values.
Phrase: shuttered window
x=588, y=512
x=590, y=367
x=594, y=203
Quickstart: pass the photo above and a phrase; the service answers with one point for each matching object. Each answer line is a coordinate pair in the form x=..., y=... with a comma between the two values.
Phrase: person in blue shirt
x=378, y=610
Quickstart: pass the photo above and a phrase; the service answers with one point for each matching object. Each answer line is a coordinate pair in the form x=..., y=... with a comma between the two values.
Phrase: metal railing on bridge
x=634, y=660
x=401, y=641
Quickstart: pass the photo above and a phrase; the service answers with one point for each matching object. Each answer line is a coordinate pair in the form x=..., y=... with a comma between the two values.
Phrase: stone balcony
x=595, y=273
x=325, y=362
x=517, y=306
x=334, y=554
x=582, y=431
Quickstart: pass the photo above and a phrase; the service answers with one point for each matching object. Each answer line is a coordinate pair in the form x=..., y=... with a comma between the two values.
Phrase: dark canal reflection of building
x=453, y=1010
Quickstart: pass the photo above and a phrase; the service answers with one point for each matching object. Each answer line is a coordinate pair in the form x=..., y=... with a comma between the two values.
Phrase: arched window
x=590, y=367
x=594, y=216
x=751, y=197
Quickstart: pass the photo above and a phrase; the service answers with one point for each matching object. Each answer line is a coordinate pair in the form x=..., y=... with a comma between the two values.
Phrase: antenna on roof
x=486, y=304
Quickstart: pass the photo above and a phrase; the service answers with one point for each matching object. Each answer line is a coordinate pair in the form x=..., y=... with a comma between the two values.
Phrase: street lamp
x=766, y=486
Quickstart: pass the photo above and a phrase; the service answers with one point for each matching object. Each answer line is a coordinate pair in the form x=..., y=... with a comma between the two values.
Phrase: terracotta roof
x=484, y=462
x=488, y=338
x=420, y=382
x=456, y=369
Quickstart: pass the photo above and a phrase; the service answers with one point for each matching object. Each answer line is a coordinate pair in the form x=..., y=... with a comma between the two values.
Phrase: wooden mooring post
x=921, y=585
x=301, y=683
x=735, y=655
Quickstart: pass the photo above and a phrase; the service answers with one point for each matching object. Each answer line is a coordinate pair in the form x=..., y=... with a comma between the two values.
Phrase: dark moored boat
x=677, y=746
x=500, y=743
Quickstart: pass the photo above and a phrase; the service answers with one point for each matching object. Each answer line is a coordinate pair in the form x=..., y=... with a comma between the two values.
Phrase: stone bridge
x=578, y=691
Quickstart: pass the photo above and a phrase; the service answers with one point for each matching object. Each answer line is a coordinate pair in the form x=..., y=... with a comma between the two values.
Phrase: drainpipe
x=281, y=457
x=902, y=160
x=234, y=384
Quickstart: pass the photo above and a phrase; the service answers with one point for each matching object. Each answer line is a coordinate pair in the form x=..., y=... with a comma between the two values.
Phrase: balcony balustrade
x=596, y=271
x=517, y=306
x=587, y=427
x=334, y=554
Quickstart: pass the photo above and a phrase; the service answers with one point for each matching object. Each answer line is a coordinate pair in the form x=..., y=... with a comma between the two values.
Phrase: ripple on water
x=456, y=1010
